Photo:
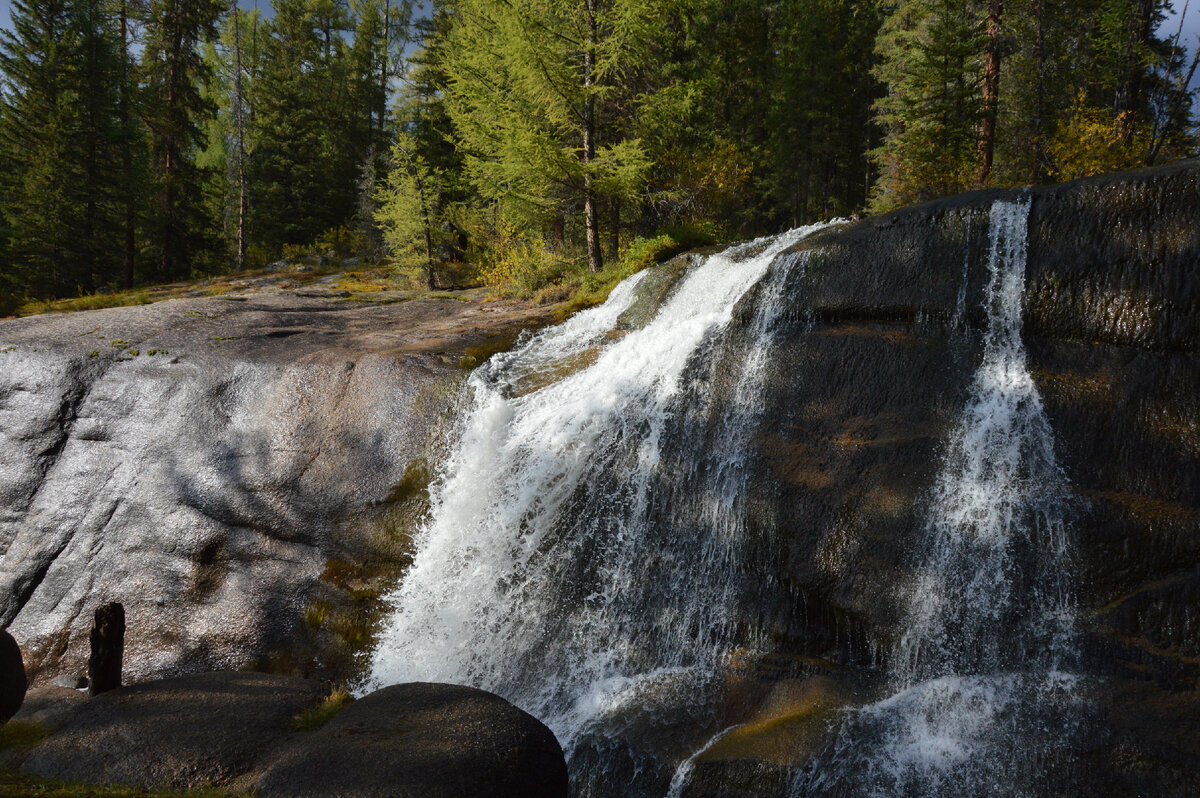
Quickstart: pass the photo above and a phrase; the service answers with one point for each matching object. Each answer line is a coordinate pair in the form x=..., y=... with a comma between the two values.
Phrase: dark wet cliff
x=882, y=341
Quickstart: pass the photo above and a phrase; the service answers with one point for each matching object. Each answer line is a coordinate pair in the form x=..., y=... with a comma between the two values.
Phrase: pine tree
x=58, y=135
x=931, y=64
x=175, y=112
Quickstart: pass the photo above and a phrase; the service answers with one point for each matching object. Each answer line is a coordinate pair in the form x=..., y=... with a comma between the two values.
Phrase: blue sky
x=1191, y=28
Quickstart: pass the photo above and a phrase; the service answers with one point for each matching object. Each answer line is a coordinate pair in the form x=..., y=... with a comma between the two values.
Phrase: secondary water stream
x=982, y=671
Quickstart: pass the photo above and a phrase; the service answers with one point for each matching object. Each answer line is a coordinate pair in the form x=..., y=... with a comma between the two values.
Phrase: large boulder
x=12, y=677
x=222, y=467
x=180, y=733
x=422, y=740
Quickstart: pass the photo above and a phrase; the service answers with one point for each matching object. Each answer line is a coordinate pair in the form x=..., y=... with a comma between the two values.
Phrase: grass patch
x=89, y=302
x=322, y=713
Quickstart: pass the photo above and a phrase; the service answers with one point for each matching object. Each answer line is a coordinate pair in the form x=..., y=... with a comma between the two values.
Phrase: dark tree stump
x=12, y=677
x=108, y=649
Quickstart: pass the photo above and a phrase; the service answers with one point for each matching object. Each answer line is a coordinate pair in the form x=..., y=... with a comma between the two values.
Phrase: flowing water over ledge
x=595, y=548
x=981, y=672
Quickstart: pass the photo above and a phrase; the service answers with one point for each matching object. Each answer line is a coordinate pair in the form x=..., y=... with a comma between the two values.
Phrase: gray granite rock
x=203, y=460
x=50, y=706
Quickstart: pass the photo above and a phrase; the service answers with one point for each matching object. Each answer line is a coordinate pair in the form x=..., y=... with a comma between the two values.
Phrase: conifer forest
x=531, y=145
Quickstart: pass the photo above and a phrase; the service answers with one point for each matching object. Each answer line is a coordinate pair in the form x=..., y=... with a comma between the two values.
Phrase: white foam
x=533, y=573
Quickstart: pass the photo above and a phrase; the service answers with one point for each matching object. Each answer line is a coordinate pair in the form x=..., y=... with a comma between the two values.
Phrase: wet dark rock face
x=237, y=472
x=873, y=371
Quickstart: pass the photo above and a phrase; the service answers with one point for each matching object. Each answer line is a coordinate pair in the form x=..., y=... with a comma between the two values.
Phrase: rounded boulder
x=13, y=683
x=422, y=740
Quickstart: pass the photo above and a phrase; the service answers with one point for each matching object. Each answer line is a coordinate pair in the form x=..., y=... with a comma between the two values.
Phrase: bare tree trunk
x=172, y=155
x=1041, y=161
x=383, y=65
x=991, y=92
x=595, y=259
x=239, y=112
x=615, y=232
x=127, y=153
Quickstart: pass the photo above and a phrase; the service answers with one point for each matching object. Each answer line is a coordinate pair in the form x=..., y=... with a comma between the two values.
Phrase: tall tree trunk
x=1129, y=95
x=239, y=112
x=1040, y=159
x=171, y=147
x=383, y=65
x=595, y=259
x=991, y=92
x=127, y=153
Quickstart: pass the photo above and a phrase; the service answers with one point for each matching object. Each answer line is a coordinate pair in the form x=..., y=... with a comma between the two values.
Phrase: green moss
x=21, y=735
x=474, y=355
x=313, y=719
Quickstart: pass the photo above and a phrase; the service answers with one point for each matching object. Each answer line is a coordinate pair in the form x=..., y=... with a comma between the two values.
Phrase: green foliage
x=931, y=60
x=1084, y=86
x=58, y=140
x=319, y=114
x=175, y=110
x=412, y=212
x=158, y=139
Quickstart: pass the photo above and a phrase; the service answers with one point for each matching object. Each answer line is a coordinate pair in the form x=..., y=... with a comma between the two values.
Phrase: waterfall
x=587, y=546
x=981, y=673
x=592, y=552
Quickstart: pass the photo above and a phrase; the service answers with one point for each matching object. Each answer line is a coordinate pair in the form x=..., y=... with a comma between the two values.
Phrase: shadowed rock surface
x=50, y=706
x=191, y=731
x=421, y=741
x=223, y=467
x=877, y=361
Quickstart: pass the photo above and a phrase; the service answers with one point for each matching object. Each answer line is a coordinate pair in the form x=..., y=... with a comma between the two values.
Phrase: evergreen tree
x=58, y=135
x=232, y=62
x=527, y=91
x=175, y=111
x=931, y=63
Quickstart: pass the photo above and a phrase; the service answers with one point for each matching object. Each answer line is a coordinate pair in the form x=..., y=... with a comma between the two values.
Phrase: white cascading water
x=561, y=566
x=982, y=669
